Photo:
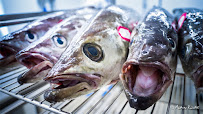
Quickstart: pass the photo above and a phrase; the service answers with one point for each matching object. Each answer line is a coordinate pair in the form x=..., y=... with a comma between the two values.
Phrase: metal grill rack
x=109, y=99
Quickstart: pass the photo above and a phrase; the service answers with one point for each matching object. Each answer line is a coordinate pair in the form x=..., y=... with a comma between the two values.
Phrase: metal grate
x=109, y=99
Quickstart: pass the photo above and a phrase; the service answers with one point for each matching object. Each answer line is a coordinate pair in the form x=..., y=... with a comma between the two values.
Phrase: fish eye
x=59, y=41
x=31, y=37
x=172, y=43
x=93, y=51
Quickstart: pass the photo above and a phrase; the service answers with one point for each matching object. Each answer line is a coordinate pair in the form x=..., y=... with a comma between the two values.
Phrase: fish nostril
x=144, y=52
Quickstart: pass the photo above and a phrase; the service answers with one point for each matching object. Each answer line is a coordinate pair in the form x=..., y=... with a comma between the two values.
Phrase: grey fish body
x=151, y=63
x=190, y=32
x=20, y=39
x=93, y=59
x=40, y=56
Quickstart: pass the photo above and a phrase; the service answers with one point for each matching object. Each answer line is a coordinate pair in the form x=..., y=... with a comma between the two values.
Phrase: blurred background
x=29, y=6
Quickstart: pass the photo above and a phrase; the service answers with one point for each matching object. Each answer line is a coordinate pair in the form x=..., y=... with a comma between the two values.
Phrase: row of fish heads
x=79, y=51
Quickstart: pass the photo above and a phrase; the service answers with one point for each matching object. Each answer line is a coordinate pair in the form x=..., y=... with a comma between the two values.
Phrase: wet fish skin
x=191, y=44
x=41, y=55
x=153, y=47
x=77, y=64
x=20, y=39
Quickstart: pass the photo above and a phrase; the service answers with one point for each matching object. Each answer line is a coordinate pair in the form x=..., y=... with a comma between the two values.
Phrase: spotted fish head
x=190, y=33
x=151, y=63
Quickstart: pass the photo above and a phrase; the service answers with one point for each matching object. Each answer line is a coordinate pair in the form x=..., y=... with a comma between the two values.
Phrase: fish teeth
x=54, y=85
x=55, y=81
x=126, y=78
x=125, y=70
x=129, y=67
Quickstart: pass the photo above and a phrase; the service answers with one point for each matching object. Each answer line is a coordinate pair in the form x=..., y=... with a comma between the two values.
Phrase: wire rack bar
x=8, y=85
x=153, y=108
x=33, y=102
x=101, y=99
x=13, y=19
x=123, y=107
x=113, y=102
x=183, y=102
x=197, y=100
x=29, y=93
x=171, y=92
x=84, y=102
x=12, y=106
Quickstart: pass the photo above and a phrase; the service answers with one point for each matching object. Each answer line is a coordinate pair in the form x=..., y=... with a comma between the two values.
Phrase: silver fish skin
x=40, y=56
x=191, y=44
x=93, y=59
x=20, y=39
x=152, y=59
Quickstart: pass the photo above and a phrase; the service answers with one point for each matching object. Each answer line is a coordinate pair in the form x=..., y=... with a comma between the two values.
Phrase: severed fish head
x=40, y=56
x=190, y=31
x=151, y=62
x=12, y=43
x=92, y=60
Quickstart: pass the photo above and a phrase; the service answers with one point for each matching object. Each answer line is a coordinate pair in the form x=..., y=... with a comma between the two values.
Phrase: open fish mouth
x=38, y=66
x=145, y=79
x=198, y=79
x=71, y=85
x=7, y=54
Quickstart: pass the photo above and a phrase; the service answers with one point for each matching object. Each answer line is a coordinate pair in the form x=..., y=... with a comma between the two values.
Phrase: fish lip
x=143, y=102
x=74, y=90
x=8, y=48
x=20, y=57
x=92, y=79
x=33, y=74
x=9, y=57
x=197, y=76
x=164, y=68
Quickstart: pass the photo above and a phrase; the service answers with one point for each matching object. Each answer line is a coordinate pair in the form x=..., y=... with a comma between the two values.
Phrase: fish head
x=93, y=59
x=40, y=56
x=191, y=46
x=12, y=43
x=151, y=63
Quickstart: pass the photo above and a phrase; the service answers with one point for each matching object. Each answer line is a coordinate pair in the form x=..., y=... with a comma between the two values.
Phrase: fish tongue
x=146, y=80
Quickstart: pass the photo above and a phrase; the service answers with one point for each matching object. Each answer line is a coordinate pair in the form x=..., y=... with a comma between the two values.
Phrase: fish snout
x=7, y=50
x=7, y=54
x=152, y=53
x=30, y=59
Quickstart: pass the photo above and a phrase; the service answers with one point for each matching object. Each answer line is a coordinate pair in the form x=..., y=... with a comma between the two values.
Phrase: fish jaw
x=38, y=66
x=36, y=73
x=7, y=54
x=143, y=91
x=198, y=79
x=69, y=86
